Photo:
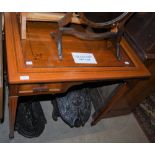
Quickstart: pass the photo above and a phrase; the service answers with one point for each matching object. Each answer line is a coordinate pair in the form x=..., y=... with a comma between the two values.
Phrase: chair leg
x=59, y=44
x=118, y=40
x=57, y=36
x=118, y=52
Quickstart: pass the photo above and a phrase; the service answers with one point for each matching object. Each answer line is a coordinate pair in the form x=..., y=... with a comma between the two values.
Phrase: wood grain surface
x=41, y=50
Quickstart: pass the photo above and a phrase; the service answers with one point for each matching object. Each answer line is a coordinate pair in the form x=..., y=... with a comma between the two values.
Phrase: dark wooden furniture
x=1, y=71
x=142, y=39
x=139, y=32
x=34, y=68
x=112, y=23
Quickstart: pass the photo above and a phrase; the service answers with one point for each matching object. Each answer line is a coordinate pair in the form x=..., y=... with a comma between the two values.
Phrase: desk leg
x=1, y=106
x=121, y=91
x=12, y=114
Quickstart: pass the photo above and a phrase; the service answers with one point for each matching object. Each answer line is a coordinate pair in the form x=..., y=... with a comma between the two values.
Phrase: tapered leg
x=1, y=105
x=1, y=71
x=58, y=38
x=12, y=114
x=120, y=92
x=118, y=40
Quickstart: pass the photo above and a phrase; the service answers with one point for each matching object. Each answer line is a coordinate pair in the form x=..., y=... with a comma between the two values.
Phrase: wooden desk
x=34, y=67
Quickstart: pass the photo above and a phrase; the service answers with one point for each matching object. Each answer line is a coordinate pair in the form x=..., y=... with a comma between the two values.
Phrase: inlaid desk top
x=35, y=59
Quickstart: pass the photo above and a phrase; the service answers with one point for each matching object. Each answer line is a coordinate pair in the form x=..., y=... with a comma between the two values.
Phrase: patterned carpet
x=145, y=115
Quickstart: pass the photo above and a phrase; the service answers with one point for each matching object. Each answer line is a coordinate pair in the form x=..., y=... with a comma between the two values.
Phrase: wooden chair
x=112, y=22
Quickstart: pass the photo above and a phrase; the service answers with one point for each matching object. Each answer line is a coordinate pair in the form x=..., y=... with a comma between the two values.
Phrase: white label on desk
x=84, y=58
x=24, y=77
x=127, y=63
x=29, y=63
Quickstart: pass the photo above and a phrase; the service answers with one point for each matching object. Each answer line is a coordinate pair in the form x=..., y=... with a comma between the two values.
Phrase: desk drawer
x=27, y=89
x=47, y=88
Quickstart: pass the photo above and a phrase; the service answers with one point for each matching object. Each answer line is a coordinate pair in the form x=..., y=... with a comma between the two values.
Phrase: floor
x=111, y=130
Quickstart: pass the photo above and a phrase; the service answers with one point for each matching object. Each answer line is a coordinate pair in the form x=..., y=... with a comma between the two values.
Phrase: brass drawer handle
x=40, y=89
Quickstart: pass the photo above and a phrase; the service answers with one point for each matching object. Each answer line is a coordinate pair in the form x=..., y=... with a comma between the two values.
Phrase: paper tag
x=127, y=63
x=24, y=77
x=84, y=58
x=29, y=63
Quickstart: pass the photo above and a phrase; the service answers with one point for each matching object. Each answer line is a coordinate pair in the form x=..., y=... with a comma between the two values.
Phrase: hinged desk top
x=36, y=57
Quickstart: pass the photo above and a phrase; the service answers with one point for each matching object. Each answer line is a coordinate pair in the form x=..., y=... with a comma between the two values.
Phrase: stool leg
x=59, y=44
x=118, y=52
x=12, y=114
x=57, y=36
x=118, y=40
